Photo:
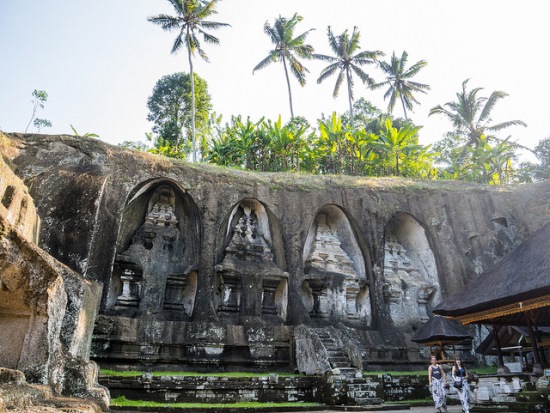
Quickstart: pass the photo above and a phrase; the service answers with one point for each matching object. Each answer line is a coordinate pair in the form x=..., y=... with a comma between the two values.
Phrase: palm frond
x=324, y=57
x=298, y=70
x=213, y=25
x=339, y=81
x=504, y=125
x=178, y=42
x=208, y=38
x=327, y=72
x=379, y=85
x=265, y=62
x=490, y=104
x=365, y=78
x=167, y=23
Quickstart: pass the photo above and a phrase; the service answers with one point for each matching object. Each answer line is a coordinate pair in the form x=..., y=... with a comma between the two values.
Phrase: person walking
x=460, y=383
x=438, y=383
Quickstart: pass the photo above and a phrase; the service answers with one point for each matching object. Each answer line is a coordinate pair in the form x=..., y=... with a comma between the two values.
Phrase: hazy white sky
x=99, y=60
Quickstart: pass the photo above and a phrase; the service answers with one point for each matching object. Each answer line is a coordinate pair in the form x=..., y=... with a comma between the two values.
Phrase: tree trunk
x=348, y=78
x=193, y=139
x=288, y=85
x=404, y=110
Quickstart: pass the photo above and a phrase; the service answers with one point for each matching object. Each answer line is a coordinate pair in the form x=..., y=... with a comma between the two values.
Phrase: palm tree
x=287, y=46
x=190, y=19
x=470, y=114
x=396, y=145
x=399, y=85
x=346, y=62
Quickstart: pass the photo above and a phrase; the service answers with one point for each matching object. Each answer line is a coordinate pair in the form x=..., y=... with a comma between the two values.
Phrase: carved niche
x=333, y=289
x=410, y=276
x=251, y=285
x=151, y=275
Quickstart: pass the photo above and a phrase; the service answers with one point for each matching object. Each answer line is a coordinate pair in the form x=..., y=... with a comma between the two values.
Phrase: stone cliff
x=204, y=267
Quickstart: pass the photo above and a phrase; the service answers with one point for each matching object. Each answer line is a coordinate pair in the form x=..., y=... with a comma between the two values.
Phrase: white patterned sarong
x=464, y=395
x=439, y=394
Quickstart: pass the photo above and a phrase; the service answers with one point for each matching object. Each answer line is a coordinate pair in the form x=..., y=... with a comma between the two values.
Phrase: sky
x=99, y=60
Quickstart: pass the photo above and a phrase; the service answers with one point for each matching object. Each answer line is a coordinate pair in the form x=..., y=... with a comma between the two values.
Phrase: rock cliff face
x=202, y=266
x=46, y=309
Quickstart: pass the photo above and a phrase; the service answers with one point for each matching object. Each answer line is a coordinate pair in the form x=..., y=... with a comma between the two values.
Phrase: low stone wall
x=272, y=388
x=202, y=389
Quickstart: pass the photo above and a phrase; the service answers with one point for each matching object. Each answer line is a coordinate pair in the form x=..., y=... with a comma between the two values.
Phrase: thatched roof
x=440, y=330
x=518, y=282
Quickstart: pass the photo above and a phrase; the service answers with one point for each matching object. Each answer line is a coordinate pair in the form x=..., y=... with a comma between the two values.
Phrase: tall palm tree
x=287, y=47
x=190, y=19
x=346, y=62
x=471, y=115
x=399, y=85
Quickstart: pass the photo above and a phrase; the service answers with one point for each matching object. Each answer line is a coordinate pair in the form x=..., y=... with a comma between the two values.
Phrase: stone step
x=348, y=372
x=368, y=401
x=365, y=394
x=332, y=347
x=339, y=365
x=339, y=359
x=337, y=355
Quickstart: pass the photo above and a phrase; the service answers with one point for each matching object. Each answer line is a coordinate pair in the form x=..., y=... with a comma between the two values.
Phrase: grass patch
x=233, y=374
x=414, y=402
x=124, y=402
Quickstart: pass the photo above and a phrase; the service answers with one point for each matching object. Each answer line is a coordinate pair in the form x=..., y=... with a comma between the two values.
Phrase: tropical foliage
x=332, y=148
x=190, y=20
x=39, y=98
x=346, y=62
x=470, y=114
x=287, y=49
x=364, y=141
x=170, y=111
x=399, y=84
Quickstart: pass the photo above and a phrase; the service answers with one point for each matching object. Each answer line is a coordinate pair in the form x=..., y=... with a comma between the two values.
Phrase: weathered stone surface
x=11, y=376
x=311, y=355
x=450, y=233
x=47, y=310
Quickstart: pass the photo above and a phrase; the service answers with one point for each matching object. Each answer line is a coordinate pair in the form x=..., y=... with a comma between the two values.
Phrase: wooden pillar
x=534, y=339
x=497, y=340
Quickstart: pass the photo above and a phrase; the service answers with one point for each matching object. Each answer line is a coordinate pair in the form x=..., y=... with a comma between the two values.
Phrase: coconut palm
x=398, y=81
x=287, y=47
x=190, y=20
x=471, y=115
x=346, y=63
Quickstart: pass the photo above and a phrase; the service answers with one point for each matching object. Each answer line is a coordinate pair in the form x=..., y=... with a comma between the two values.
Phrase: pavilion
x=515, y=292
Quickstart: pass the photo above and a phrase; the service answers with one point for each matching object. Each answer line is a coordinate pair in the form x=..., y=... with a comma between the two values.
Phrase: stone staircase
x=336, y=356
x=359, y=390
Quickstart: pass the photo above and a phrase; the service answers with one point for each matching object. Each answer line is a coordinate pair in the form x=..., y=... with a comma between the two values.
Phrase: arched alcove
x=411, y=283
x=252, y=283
x=335, y=285
x=155, y=269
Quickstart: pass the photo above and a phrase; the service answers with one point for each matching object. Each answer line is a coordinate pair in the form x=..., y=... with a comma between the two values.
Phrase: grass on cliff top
x=134, y=373
x=124, y=402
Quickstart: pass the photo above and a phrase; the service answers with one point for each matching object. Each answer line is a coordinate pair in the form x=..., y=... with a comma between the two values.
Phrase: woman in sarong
x=460, y=382
x=438, y=382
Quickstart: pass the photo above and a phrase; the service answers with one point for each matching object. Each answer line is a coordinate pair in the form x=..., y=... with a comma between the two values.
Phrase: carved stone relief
x=251, y=286
x=410, y=280
x=332, y=288
x=151, y=275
